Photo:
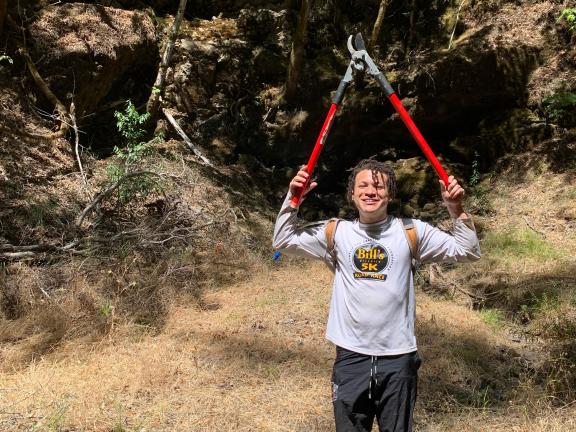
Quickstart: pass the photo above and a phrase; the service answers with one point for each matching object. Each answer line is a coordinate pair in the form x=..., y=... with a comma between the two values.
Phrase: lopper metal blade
x=359, y=42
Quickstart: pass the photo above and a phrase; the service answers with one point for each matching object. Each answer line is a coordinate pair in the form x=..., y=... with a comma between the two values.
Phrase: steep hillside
x=137, y=289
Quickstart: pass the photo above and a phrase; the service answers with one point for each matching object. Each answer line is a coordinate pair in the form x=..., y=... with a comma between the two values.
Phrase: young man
x=372, y=311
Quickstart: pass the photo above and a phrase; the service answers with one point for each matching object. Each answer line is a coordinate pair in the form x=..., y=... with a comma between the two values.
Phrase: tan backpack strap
x=330, y=229
x=410, y=231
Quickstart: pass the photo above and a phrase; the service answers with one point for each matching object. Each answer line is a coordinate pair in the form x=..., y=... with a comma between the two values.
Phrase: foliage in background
x=560, y=107
x=480, y=202
x=493, y=317
x=519, y=243
x=130, y=124
x=568, y=16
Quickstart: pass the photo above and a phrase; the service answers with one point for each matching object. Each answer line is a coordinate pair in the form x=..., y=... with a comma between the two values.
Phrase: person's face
x=370, y=196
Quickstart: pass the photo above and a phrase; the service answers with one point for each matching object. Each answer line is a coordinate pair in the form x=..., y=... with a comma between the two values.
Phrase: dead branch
x=468, y=293
x=411, y=28
x=77, y=142
x=45, y=293
x=455, y=24
x=9, y=251
x=62, y=111
x=154, y=100
x=106, y=192
x=437, y=279
x=187, y=140
x=37, y=247
x=298, y=52
x=17, y=255
x=48, y=136
x=378, y=24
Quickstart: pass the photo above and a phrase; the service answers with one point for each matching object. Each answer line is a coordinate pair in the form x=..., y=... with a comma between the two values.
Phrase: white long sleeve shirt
x=373, y=305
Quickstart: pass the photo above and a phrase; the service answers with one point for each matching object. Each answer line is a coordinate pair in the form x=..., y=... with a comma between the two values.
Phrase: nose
x=371, y=190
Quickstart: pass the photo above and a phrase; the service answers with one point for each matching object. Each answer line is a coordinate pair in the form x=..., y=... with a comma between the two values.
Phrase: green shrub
x=568, y=16
x=493, y=318
x=132, y=157
x=537, y=305
x=560, y=107
x=129, y=124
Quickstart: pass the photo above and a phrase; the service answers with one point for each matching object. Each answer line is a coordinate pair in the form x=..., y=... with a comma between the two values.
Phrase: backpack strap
x=330, y=230
x=412, y=238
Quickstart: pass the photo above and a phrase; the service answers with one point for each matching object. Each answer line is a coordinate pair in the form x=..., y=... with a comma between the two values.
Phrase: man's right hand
x=299, y=181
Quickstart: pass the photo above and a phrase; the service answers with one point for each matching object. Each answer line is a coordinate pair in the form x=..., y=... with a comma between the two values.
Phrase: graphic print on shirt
x=370, y=259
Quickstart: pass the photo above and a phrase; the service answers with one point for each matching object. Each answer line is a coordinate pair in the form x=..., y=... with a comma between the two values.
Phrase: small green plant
x=494, y=318
x=568, y=16
x=480, y=201
x=475, y=177
x=130, y=125
x=482, y=398
x=539, y=305
x=119, y=427
x=559, y=106
x=546, y=302
x=55, y=422
x=105, y=309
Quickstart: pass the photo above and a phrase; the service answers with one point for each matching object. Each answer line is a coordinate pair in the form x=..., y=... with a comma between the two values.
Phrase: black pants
x=364, y=387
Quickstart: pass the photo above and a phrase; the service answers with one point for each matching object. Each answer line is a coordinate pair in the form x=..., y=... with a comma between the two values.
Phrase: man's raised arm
x=290, y=236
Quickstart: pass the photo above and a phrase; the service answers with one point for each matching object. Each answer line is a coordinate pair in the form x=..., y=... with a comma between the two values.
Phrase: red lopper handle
x=295, y=202
x=418, y=137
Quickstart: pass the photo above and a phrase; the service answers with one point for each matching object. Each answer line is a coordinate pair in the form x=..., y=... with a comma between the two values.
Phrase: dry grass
x=131, y=263
x=239, y=367
x=257, y=360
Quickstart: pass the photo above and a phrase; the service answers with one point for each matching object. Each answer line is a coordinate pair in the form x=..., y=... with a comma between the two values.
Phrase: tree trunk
x=158, y=89
x=378, y=24
x=410, y=29
x=3, y=4
x=297, y=53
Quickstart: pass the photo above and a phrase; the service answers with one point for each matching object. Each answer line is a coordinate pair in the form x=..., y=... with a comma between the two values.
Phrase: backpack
x=409, y=232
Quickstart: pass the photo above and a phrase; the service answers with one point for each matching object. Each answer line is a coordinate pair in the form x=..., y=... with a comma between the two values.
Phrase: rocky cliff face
x=480, y=99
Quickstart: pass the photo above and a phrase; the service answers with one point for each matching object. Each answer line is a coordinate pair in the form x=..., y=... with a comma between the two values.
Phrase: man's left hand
x=453, y=194
x=452, y=197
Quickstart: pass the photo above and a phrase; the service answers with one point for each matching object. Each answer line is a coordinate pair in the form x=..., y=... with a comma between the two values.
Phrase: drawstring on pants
x=373, y=374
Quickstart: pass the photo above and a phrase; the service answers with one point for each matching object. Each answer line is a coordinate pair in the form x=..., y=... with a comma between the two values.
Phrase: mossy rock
x=417, y=184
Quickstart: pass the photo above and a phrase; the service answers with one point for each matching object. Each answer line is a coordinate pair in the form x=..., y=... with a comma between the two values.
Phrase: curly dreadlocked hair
x=376, y=167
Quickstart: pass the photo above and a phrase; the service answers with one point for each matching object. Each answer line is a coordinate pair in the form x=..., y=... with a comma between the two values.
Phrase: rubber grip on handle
x=337, y=99
x=381, y=79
